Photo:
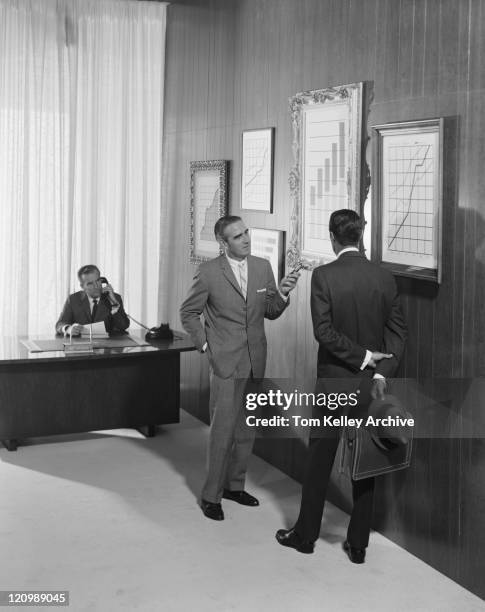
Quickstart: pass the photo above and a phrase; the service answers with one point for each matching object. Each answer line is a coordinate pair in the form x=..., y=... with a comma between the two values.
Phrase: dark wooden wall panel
x=232, y=65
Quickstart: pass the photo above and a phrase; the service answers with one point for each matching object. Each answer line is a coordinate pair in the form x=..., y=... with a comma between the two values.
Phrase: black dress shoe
x=241, y=497
x=212, y=510
x=289, y=537
x=356, y=555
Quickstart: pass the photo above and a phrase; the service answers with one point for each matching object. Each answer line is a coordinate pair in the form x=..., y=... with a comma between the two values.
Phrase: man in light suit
x=235, y=292
x=95, y=302
x=360, y=330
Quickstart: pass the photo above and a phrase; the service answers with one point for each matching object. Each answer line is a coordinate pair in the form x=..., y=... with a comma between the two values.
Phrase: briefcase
x=364, y=454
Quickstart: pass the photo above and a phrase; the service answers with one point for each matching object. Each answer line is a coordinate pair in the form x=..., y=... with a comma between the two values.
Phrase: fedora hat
x=389, y=426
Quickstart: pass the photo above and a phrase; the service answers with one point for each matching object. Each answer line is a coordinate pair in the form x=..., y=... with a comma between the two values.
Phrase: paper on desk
x=98, y=330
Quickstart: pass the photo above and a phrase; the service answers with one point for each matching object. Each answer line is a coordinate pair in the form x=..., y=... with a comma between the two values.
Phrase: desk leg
x=147, y=430
x=11, y=444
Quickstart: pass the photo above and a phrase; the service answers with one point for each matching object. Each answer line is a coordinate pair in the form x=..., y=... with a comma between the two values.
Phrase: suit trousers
x=319, y=468
x=321, y=457
x=231, y=441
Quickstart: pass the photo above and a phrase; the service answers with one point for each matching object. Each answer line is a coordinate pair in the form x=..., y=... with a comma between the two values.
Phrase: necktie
x=95, y=308
x=243, y=279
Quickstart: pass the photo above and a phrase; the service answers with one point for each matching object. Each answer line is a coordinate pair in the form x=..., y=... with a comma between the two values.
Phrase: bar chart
x=325, y=173
x=333, y=167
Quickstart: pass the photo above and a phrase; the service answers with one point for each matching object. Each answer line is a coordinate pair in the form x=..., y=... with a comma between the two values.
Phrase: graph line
x=413, y=184
x=258, y=171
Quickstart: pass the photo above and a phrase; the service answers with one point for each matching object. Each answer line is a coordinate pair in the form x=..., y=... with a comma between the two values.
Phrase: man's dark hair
x=87, y=270
x=222, y=223
x=346, y=226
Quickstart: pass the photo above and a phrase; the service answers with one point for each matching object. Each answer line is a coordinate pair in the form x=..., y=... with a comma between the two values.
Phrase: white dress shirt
x=236, y=265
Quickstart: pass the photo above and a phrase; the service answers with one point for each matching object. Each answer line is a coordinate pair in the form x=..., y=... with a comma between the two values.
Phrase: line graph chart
x=257, y=169
x=410, y=200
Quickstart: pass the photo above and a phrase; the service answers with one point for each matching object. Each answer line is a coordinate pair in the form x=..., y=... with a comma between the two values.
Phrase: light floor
x=113, y=519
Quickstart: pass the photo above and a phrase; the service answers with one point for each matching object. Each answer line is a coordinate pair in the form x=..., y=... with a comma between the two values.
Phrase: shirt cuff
x=204, y=348
x=65, y=328
x=367, y=358
x=284, y=297
x=377, y=375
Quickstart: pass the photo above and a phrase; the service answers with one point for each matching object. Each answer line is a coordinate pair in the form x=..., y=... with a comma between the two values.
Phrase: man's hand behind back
x=377, y=356
x=379, y=387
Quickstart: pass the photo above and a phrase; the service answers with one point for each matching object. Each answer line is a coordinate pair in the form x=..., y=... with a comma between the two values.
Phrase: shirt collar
x=347, y=250
x=236, y=264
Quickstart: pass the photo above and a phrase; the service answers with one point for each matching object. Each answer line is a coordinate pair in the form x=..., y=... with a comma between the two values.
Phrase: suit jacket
x=77, y=310
x=355, y=307
x=232, y=324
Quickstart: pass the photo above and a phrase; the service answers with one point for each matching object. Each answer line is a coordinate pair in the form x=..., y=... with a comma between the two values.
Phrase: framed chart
x=407, y=206
x=327, y=140
x=257, y=170
x=269, y=244
x=208, y=202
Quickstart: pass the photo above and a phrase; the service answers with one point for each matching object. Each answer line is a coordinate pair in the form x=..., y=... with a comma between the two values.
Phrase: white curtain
x=81, y=103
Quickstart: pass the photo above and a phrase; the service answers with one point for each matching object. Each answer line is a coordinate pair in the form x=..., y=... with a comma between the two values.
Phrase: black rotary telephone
x=160, y=333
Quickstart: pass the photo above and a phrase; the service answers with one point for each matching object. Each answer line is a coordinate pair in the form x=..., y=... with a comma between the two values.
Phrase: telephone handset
x=105, y=295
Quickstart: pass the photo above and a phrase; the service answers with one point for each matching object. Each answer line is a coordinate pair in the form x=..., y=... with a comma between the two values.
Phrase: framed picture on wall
x=407, y=203
x=257, y=170
x=208, y=202
x=269, y=244
x=327, y=140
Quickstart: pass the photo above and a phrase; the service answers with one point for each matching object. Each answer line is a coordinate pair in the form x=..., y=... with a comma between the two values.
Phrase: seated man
x=94, y=303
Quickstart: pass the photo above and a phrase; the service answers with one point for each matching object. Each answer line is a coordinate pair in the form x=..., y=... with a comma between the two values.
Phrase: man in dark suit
x=96, y=302
x=235, y=292
x=359, y=326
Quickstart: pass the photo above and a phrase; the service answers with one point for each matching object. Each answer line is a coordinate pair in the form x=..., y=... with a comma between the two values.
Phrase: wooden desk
x=43, y=394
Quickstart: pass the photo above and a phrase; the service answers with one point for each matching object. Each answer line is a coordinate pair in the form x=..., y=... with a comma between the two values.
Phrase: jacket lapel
x=229, y=274
x=85, y=306
x=252, y=281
